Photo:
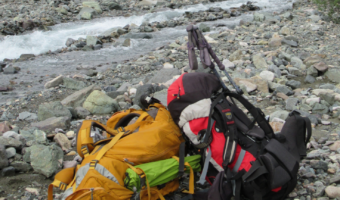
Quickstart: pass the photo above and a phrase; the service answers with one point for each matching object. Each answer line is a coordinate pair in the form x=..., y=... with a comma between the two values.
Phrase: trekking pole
x=205, y=53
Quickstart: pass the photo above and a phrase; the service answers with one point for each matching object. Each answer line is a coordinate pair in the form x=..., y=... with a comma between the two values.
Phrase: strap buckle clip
x=93, y=163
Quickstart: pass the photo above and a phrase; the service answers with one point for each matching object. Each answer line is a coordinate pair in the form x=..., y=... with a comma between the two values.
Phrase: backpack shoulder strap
x=257, y=114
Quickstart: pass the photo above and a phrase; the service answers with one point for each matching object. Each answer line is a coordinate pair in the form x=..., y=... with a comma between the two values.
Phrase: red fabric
x=248, y=157
x=176, y=86
x=277, y=189
x=217, y=146
x=198, y=124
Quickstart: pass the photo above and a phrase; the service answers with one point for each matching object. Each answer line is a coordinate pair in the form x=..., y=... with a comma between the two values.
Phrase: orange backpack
x=133, y=137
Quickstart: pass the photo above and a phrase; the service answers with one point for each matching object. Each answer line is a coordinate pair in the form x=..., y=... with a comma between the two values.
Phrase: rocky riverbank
x=18, y=16
x=283, y=62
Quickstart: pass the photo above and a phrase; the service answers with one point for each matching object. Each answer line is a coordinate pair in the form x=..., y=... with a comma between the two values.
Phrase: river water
x=39, y=42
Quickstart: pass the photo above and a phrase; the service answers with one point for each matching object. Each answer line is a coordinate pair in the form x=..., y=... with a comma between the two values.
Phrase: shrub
x=332, y=8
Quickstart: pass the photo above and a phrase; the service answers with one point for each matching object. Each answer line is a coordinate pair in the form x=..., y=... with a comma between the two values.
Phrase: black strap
x=230, y=132
x=181, y=159
x=207, y=136
x=257, y=114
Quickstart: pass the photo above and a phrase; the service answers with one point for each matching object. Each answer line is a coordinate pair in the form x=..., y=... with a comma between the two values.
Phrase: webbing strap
x=239, y=161
x=191, y=177
x=56, y=183
x=258, y=116
x=142, y=117
x=181, y=159
x=85, y=150
x=107, y=147
x=205, y=168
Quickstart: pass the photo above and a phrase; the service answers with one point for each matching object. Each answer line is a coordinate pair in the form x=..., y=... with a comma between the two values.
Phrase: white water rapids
x=39, y=42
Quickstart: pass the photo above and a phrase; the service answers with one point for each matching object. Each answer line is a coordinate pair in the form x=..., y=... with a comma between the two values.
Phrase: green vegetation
x=331, y=7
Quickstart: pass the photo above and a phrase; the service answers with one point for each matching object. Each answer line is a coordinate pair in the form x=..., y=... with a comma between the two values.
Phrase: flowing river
x=39, y=42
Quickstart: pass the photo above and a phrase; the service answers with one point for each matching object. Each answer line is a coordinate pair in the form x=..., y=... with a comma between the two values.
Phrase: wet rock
x=27, y=116
x=63, y=141
x=259, y=62
x=99, y=103
x=77, y=99
x=53, y=109
x=26, y=57
x=73, y=84
x=3, y=157
x=69, y=42
x=139, y=36
x=8, y=171
x=10, y=152
x=21, y=166
x=52, y=123
x=127, y=42
x=46, y=160
x=91, y=40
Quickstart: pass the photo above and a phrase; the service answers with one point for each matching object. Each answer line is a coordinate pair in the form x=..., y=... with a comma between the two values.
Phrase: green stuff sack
x=160, y=172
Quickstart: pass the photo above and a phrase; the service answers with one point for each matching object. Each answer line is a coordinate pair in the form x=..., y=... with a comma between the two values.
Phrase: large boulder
x=63, y=141
x=46, y=160
x=77, y=99
x=99, y=103
x=52, y=123
x=53, y=109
